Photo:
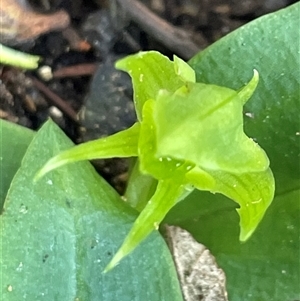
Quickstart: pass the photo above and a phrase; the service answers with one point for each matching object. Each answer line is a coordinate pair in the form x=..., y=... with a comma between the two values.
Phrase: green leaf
x=14, y=141
x=57, y=235
x=150, y=72
x=267, y=266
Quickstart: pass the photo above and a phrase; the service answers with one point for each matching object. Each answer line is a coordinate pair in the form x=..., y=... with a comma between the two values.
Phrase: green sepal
x=184, y=70
x=247, y=91
x=150, y=72
x=164, y=198
x=253, y=191
x=122, y=144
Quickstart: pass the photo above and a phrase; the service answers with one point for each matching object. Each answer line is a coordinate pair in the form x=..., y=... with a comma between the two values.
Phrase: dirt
x=79, y=42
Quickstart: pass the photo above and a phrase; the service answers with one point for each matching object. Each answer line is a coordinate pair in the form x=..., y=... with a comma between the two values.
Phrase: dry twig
x=176, y=39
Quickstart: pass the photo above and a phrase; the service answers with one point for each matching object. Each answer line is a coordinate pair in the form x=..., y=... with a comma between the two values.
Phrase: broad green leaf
x=266, y=267
x=150, y=72
x=14, y=141
x=58, y=234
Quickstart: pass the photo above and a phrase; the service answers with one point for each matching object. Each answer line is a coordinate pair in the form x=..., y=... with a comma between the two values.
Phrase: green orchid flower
x=188, y=136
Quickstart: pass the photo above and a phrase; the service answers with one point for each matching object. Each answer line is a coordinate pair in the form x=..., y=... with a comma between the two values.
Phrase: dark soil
x=76, y=84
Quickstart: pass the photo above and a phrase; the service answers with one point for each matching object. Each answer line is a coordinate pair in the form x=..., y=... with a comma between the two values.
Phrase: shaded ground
x=76, y=83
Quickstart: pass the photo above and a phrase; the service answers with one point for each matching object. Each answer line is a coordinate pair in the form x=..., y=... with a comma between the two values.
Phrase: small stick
x=176, y=39
x=75, y=70
x=75, y=41
x=56, y=100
